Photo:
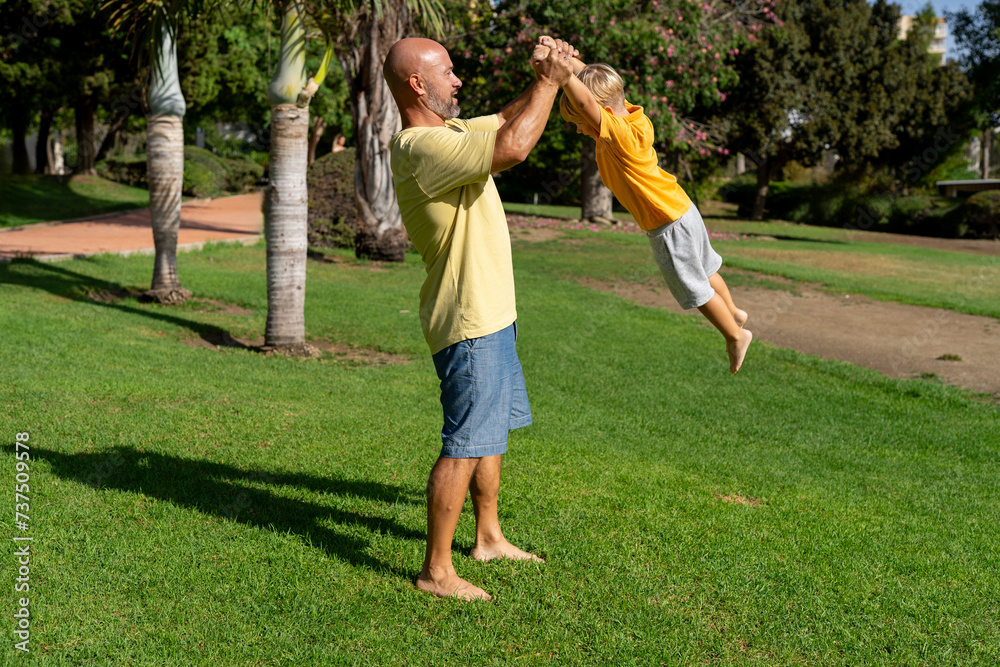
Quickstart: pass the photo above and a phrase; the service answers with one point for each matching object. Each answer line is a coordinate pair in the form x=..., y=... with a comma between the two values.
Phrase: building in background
x=938, y=37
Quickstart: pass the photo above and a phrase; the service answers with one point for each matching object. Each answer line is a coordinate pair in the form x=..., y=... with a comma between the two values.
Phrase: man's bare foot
x=502, y=549
x=737, y=349
x=451, y=586
x=741, y=317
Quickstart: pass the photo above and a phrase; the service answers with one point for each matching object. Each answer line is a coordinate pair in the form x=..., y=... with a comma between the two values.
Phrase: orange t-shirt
x=628, y=166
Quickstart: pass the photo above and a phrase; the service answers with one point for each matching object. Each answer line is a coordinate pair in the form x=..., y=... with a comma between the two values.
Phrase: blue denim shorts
x=482, y=394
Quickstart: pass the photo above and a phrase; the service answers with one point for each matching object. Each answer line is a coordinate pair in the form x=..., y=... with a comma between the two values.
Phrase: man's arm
x=520, y=132
x=511, y=109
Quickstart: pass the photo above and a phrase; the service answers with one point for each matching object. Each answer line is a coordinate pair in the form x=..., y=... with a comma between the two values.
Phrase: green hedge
x=205, y=174
x=838, y=205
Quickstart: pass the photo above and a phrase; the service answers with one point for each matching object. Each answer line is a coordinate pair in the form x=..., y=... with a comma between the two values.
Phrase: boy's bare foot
x=502, y=549
x=737, y=349
x=741, y=317
x=450, y=585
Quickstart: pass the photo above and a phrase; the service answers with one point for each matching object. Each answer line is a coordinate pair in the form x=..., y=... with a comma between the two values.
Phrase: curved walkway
x=236, y=219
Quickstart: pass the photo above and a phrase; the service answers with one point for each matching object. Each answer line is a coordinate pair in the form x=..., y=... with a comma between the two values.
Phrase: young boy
x=595, y=100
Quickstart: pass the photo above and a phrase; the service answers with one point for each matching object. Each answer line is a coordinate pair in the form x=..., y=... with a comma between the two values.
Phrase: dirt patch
x=534, y=234
x=741, y=500
x=217, y=339
x=899, y=340
x=220, y=307
x=370, y=265
x=360, y=354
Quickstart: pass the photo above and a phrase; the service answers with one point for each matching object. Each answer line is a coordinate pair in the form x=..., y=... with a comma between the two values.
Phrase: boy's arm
x=579, y=95
x=581, y=98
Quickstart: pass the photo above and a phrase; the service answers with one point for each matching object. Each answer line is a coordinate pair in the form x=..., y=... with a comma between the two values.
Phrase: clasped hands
x=551, y=60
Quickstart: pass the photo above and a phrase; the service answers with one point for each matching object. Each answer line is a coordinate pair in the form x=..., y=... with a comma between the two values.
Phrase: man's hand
x=554, y=66
x=546, y=43
x=565, y=48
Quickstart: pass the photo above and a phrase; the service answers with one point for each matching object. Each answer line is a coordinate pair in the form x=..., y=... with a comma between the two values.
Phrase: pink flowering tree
x=676, y=57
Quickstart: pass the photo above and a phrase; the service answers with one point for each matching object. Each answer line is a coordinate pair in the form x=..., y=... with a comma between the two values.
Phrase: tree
x=58, y=54
x=363, y=35
x=153, y=27
x=285, y=199
x=675, y=57
x=977, y=34
x=835, y=77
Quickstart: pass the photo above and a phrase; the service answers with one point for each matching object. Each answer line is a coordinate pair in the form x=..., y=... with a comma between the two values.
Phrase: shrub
x=982, y=213
x=130, y=170
x=847, y=205
x=205, y=174
x=332, y=209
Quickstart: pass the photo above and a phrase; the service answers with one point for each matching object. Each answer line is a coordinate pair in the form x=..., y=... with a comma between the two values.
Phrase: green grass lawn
x=196, y=506
x=29, y=199
x=965, y=282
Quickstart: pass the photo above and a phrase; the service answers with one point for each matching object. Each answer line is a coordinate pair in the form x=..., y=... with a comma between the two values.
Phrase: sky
x=940, y=7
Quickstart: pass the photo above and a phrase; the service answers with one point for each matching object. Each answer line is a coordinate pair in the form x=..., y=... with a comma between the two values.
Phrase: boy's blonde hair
x=605, y=84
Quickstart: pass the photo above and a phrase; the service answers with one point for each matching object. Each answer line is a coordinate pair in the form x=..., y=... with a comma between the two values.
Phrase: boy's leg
x=720, y=287
x=485, y=488
x=446, y=489
x=737, y=338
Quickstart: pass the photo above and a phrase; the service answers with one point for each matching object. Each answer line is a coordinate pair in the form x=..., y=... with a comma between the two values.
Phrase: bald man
x=442, y=170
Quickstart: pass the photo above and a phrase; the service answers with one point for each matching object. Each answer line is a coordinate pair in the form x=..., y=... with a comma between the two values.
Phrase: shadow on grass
x=62, y=282
x=249, y=497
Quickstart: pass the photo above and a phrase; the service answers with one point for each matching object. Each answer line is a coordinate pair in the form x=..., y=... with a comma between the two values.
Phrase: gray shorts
x=686, y=258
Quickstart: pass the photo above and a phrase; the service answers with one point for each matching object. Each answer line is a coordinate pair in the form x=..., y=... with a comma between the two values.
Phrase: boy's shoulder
x=635, y=125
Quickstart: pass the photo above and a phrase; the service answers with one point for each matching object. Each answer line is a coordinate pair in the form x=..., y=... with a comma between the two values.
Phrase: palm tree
x=365, y=33
x=364, y=36
x=286, y=204
x=153, y=25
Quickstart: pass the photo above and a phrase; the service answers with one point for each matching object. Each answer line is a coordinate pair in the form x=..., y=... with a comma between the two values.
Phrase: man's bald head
x=420, y=77
x=406, y=57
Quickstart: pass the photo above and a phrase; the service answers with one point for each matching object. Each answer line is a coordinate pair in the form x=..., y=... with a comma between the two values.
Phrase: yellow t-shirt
x=454, y=216
x=628, y=166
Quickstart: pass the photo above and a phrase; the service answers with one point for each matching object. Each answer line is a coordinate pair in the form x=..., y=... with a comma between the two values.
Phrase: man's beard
x=441, y=105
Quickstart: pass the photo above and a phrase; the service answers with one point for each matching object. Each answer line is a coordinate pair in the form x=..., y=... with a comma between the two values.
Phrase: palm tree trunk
x=380, y=233
x=596, y=200
x=165, y=173
x=286, y=212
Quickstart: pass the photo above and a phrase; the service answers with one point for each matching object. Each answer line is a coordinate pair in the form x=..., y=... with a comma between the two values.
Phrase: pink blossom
x=722, y=97
x=654, y=61
x=717, y=55
x=670, y=84
x=592, y=18
x=612, y=21
x=670, y=51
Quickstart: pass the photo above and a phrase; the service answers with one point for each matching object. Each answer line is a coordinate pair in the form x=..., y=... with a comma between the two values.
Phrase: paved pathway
x=236, y=218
